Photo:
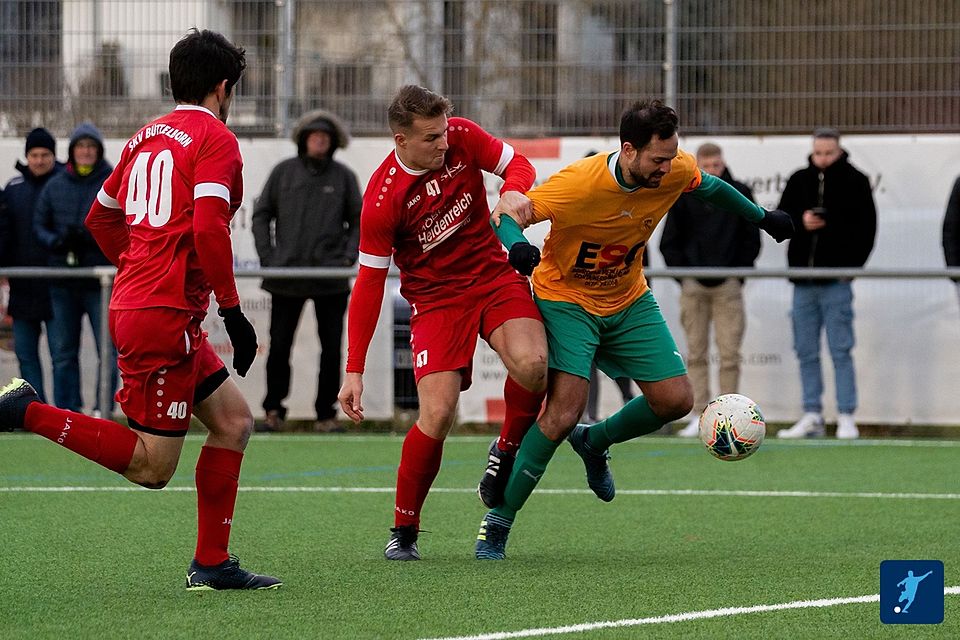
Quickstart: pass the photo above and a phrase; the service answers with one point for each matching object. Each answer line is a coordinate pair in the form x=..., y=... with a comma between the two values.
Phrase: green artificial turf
x=100, y=561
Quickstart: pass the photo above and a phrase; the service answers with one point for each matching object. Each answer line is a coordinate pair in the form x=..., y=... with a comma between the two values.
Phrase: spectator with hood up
x=308, y=215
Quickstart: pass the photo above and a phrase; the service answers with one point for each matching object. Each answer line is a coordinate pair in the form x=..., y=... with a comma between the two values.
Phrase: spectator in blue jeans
x=29, y=304
x=58, y=226
x=833, y=211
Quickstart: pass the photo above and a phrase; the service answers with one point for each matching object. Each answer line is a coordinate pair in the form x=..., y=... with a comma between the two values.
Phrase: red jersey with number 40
x=436, y=224
x=184, y=155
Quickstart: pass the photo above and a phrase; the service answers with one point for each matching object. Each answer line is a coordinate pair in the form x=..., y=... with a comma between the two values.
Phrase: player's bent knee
x=673, y=407
x=531, y=373
x=151, y=478
x=236, y=429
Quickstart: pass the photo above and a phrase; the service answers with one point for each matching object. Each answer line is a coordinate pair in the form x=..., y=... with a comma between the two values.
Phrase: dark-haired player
x=596, y=304
x=163, y=218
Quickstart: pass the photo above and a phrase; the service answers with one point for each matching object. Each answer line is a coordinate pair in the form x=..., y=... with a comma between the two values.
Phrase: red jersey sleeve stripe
x=108, y=201
x=374, y=262
x=506, y=155
x=213, y=189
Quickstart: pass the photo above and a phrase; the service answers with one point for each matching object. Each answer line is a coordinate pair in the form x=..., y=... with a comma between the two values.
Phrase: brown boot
x=272, y=423
x=330, y=425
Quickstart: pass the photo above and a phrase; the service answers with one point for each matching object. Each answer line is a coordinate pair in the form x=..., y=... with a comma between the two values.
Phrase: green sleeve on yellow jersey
x=719, y=193
x=509, y=231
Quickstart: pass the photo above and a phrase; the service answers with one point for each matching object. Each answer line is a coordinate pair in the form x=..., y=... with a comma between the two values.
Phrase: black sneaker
x=599, y=477
x=14, y=399
x=402, y=544
x=494, y=480
x=226, y=575
x=492, y=538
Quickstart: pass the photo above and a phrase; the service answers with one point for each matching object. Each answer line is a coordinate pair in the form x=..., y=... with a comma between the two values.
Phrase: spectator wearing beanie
x=29, y=304
x=58, y=223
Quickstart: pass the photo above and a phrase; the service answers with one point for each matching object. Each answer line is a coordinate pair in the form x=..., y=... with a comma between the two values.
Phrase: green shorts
x=634, y=343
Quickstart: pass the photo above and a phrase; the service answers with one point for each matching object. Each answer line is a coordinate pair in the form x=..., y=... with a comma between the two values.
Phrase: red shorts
x=166, y=365
x=443, y=333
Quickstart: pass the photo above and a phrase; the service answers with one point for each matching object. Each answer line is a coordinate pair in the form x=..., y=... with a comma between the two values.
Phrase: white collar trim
x=412, y=172
x=194, y=107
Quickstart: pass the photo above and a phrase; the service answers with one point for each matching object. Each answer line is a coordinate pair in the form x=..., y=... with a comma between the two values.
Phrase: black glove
x=778, y=224
x=524, y=257
x=243, y=337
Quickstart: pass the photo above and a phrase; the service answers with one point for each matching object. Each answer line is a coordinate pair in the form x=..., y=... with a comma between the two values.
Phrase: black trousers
x=284, y=318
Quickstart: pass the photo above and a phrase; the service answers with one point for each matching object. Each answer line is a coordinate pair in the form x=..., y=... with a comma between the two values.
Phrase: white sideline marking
x=677, y=617
x=555, y=492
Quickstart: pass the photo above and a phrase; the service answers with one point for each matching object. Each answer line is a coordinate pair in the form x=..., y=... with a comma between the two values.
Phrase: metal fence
x=523, y=68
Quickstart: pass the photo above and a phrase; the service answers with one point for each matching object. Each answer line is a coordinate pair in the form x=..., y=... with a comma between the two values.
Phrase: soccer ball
x=732, y=427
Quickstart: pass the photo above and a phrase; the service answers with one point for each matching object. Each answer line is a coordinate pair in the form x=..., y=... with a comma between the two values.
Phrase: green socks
x=534, y=455
x=633, y=420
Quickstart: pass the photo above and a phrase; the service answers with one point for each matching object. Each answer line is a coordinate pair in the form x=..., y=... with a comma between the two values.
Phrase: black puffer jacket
x=848, y=237
x=308, y=214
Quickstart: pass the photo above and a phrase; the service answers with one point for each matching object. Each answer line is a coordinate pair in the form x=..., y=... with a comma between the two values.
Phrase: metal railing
x=105, y=277
x=521, y=67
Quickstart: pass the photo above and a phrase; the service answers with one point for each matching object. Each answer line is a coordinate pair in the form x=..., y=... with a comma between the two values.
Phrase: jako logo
x=414, y=201
x=598, y=256
x=63, y=434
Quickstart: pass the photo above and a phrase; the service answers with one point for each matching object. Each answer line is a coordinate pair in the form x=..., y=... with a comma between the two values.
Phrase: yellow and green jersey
x=599, y=230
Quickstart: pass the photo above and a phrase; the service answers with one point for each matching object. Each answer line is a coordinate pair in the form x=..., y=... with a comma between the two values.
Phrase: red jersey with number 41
x=436, y=224
x=184, y=155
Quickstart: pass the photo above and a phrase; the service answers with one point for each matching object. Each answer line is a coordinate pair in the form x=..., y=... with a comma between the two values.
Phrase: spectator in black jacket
x=951, y=230
x=699, y=234
x=308, y=216
x=29, y=304
x=832, y=206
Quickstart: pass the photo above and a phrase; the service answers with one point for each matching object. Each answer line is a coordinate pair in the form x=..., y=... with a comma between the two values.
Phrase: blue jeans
x=69, y=306
x=828, y=305
x=26, y=345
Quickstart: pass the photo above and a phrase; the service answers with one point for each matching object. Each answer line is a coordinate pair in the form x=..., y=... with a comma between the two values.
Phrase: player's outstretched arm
x=777, y=224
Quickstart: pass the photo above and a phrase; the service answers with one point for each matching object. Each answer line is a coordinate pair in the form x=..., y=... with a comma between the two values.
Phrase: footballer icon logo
x=911, y=591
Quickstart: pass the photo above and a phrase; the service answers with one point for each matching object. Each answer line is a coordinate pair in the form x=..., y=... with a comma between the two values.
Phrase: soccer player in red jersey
x=163, y=217
x=426, y=207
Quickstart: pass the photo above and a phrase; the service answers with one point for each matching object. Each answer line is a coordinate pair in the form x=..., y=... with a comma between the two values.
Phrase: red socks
x=112, y=445
x=523, y=407
x=217, y=477
x=105, y=442
x=419, y=465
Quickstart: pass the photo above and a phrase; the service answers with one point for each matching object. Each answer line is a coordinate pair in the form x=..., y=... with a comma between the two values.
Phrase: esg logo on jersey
x=593, y=255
